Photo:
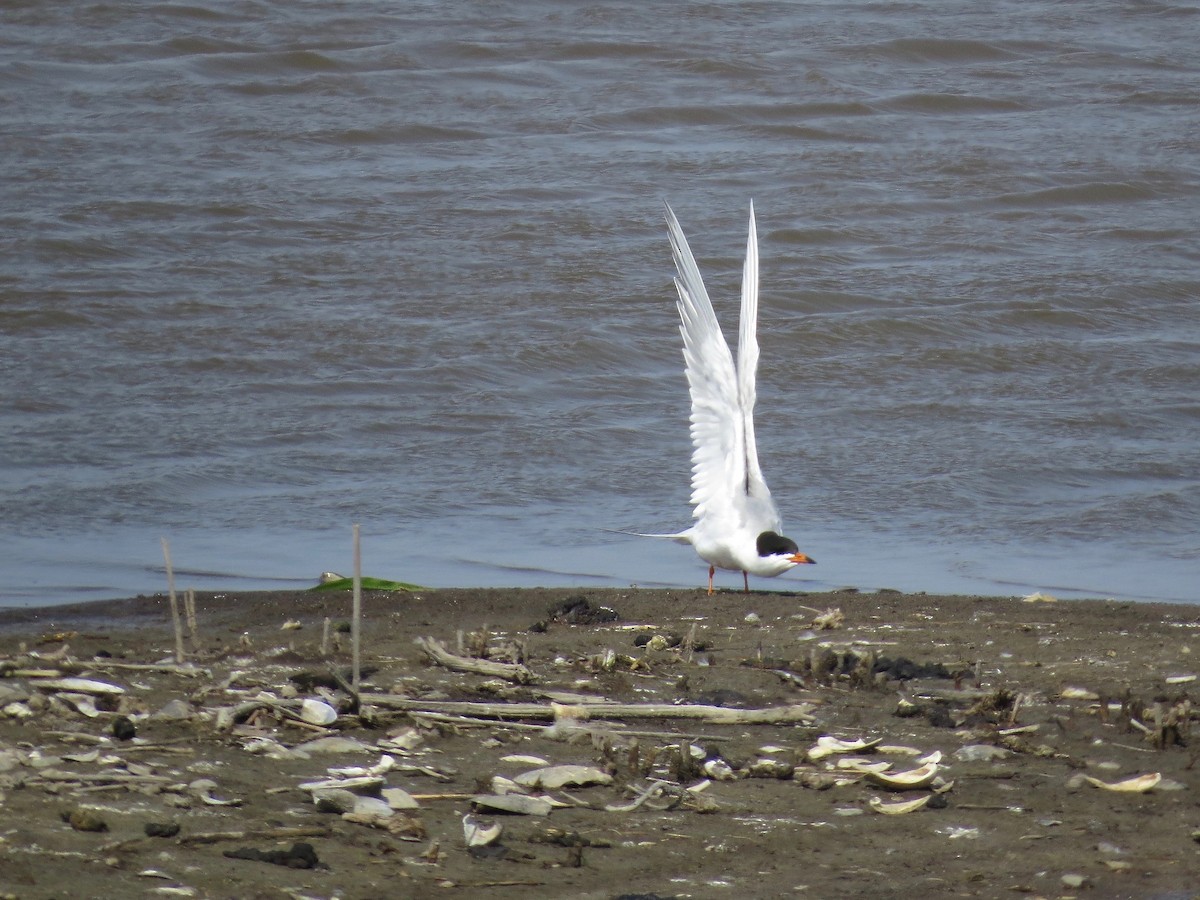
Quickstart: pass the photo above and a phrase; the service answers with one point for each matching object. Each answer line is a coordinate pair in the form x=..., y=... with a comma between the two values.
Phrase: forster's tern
x=737, y=525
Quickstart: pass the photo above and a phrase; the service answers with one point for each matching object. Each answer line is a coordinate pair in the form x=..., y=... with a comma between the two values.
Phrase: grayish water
x=268, y=269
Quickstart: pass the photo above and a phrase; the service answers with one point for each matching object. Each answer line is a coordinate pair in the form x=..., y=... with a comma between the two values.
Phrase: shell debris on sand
x=1139, y=784
x=424, y=750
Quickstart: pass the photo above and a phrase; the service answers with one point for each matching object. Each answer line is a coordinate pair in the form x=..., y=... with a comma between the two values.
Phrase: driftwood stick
x=545, y=730
x=718, y=715
x=356, y=616
x=189, y=609
x=99, y=777
x=179, y=654
x=438, y=653
x=257, y=834
x=187, y=669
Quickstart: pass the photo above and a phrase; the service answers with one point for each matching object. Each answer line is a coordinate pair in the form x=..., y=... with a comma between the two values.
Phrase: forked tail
x=680, y=537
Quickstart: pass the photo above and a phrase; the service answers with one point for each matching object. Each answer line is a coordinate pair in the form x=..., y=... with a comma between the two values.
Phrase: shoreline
x=1060, y=697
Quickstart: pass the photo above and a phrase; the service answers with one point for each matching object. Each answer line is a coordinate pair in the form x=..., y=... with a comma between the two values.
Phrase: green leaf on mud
x=368, y=584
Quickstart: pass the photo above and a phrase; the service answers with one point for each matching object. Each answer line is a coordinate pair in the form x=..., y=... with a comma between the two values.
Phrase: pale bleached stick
x=717, y=715
x=553, y=730
x=189, y=608
x=179, y=654
x=437, y=652
x=325, y=638
x=356, y=619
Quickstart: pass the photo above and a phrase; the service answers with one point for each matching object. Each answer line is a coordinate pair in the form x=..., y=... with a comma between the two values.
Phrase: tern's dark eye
x=771, y=544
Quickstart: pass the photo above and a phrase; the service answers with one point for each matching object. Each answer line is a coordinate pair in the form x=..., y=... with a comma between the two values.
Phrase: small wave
x=1091, y=193
x=935, y=104
x=941, y=50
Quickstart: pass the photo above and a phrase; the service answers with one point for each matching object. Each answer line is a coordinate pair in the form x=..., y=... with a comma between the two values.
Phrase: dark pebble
x=123, y=729
x=300, y=856
x=162, y=829
x=578, y=611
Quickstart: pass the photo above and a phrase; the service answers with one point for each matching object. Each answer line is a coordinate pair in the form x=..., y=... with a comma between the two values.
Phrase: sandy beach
x=772, y=744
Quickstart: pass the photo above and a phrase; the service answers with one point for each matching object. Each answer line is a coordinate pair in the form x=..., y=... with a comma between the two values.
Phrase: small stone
x=175, y=710
x=84, y=819
x=333, y=800
x=161, y=829
x=123, y=728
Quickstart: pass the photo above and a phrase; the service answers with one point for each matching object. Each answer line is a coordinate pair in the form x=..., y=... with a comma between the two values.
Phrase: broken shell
x=1078, y=693
x=900, y=808
x=372, y=808
x=913, y=779
x=554, y=777
x=770, y=768
x=81, y=703
x=386, y=764
x=80, y=686
x=525, y=759
x=861, y=766
x=367, y=784
x=719, y=770
x=291, y=625
x=897, y=750
x=827, y=746
x=513, y=804
x=817, y=781
x=334, y=800
x=502, y=785
x=398, y=798
x=480, y=833
x=981, y=753
x=1136, y=785
x=203, y=788
x=406, y=741
x=1039, y=597
x=317, y=712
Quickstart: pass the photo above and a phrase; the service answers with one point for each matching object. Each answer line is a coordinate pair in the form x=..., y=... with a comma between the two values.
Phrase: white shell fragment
x=479, y=833
x=897, y=750
x=367, y=784
x=386, y=764
x=913, y=779
x=1136, y=785
x=981, y=753
x=317, y=712
x=900, y=808
x=513, y=804
x=1078, y=693
x=862, y=766
x=827, y=746
x=525, y=759
x=398, y=798
x=553, y=777
x=80, y=686
x=83, y=704
x=1039, y=597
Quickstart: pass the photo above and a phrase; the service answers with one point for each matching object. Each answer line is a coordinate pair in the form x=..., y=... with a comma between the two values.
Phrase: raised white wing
x=747, y=360
x=725, y=469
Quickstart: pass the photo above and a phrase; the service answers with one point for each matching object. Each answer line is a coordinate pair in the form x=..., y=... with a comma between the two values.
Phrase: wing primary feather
x=718, y=423
x=747, y=358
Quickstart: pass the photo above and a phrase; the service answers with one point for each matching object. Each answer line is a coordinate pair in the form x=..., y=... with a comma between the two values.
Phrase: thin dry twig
x=356, y=618
x=179, y=654
x=599, y=710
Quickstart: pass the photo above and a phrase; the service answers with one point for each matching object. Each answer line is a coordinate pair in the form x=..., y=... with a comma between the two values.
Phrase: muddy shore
x=1002, y=722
